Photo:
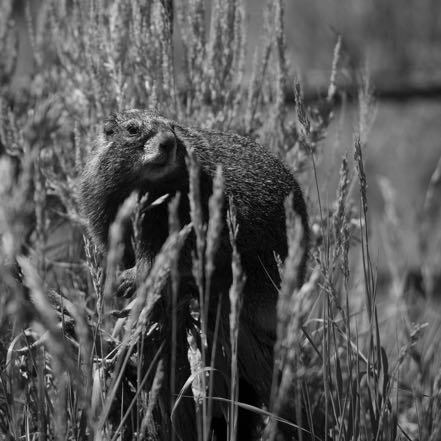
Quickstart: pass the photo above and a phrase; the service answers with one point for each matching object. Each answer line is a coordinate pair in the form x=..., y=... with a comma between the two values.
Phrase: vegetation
x=71, y=364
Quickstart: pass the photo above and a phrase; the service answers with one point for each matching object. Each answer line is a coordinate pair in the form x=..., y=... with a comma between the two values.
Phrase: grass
x=77, y=363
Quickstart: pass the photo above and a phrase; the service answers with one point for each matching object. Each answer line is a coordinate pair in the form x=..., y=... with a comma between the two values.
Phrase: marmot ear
x=110, y=125
x=182, y=136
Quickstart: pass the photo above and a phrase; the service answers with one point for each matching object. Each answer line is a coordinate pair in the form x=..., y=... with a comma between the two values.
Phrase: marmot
x=142, y=150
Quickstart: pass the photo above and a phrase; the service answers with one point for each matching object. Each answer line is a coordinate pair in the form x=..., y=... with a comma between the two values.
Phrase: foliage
x=72, y=358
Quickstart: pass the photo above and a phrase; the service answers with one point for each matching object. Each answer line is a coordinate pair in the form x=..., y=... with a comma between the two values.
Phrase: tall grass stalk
x=235, y=295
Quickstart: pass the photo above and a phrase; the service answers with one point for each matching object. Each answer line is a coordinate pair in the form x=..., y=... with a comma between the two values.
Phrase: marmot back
x=258, y=182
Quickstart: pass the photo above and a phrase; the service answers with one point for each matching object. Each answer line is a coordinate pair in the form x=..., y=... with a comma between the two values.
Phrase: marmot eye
x=133, y=128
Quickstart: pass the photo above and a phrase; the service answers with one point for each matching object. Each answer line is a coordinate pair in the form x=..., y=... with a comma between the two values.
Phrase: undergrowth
x=71, y=364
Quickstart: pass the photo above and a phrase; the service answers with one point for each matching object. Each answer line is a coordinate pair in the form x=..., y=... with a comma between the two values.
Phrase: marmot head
x=147, y=141
x=137, y=150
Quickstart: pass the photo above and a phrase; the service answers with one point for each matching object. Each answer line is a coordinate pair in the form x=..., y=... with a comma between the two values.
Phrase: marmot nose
x=166, y=141
x=160, y=149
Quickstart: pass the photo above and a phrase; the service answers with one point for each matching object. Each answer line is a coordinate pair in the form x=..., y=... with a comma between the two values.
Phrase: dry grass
x=77, y=363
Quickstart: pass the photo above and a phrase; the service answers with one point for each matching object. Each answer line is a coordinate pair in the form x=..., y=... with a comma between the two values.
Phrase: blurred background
x=399, y=41
x=396, y=45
